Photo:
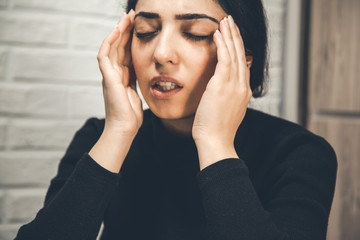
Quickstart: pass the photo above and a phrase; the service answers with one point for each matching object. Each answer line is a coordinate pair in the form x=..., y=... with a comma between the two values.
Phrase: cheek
x=135, y=57
x=203, y=61
x=139, y=59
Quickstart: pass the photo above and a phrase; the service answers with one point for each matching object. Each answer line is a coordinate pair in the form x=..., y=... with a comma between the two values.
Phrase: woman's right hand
x=123, y=107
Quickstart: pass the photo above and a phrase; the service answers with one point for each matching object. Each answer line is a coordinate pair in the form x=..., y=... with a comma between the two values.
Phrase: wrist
x=117, y=135
x=120, y=130
x=218, y=144
x=110, y=150
x=211, y=152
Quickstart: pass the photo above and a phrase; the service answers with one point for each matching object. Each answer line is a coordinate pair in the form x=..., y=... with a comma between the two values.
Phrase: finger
x=132, y=77
x=125, y=48
x=103, y=54
x=124, y=45
x=135, y=102
x=132, y=15
x=122, y=25
x=222, y=69
x=238, y=41
x=125, y=76
x=226, y=32
x=240, y=51
x=127, y=58
x=108, y=41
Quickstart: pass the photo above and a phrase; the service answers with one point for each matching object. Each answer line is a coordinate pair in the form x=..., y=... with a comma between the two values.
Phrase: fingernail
x=231, y=20
x=122, y=16
x=217, y=33
x=227, y=22
x=223, y=21
x=131, y=11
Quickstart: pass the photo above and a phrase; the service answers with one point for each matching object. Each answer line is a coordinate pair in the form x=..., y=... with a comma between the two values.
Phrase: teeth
x=166, y=86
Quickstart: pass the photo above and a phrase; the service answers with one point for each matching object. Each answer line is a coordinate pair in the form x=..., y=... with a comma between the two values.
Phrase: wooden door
x=334, y=102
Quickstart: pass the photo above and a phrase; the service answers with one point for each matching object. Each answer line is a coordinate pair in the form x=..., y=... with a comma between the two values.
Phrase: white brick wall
x=21, y=163
x=60, y=65
x=50, y=84
x=40, y=134
x=3, y=125
x=89, y=7
x=3, y=3
x=33, y=99
x=19, y=204
x=3, y=58
x=271, y=102
x=27, y=28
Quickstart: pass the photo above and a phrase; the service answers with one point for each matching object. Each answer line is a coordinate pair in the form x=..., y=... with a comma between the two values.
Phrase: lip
x=165, y=79
x=164, y=95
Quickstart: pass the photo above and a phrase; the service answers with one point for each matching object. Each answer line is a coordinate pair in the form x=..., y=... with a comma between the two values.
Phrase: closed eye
x=144, y=35
x=148, y=35
x=196, y=37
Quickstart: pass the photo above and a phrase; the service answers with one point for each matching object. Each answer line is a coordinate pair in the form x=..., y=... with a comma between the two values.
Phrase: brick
x=2, y=207
x=33, y=28
x=3, y=62
x=31, y=99
x=4, y=4
x=109, y=7
x=3, y=124
x=28, y=168
x=52, y=65
x=9, y=231
x=23, y=204
x=87, y=102
x=34, y=134
x=90, y=34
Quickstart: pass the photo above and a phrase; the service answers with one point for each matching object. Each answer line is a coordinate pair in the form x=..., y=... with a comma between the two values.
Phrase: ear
x=249, y=61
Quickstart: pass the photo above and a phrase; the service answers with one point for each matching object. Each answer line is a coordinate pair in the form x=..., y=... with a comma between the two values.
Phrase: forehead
x=173, y=7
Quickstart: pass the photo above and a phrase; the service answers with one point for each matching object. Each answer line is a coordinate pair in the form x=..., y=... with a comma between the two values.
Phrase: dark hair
x=250, y=17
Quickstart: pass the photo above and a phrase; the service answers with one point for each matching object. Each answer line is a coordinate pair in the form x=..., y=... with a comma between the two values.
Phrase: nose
x=166, y=49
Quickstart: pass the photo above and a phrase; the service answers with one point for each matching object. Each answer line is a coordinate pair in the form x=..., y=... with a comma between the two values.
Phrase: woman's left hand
x=225, y=100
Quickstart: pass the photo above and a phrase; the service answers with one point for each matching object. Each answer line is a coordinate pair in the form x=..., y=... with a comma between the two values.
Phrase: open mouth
x=165, y=86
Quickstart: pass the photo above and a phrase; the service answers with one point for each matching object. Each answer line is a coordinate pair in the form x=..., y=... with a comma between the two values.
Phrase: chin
x=171, y=113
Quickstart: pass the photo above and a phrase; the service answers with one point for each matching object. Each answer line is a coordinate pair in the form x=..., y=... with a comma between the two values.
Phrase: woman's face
x=173, y=43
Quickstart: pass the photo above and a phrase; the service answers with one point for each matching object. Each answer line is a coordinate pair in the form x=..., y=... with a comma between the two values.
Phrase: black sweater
x=281, y=187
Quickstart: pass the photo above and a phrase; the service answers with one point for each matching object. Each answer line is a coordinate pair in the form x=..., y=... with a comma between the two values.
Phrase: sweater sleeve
x=78, y=195
x=295, y=203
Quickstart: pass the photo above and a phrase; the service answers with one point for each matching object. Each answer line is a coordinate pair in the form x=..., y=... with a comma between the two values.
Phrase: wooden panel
x=334, y=103
x=344, y=136
x=334, y=62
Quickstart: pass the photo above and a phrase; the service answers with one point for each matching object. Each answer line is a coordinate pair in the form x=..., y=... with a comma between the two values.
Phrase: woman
x=198, y=164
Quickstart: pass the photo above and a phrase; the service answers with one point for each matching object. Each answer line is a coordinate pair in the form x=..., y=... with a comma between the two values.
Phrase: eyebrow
x=187, y=16
x=190, y=16
x=148, y=15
